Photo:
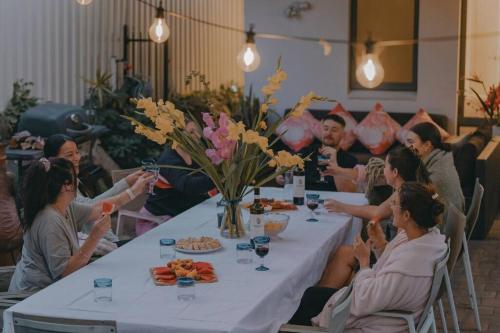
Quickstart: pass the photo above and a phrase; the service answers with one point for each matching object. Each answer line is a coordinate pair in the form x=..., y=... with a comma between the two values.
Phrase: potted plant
x=489, y=103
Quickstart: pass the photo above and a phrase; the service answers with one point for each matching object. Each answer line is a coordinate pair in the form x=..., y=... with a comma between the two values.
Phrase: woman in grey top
x=60, y=145
x=51, y=221
x=426, y=140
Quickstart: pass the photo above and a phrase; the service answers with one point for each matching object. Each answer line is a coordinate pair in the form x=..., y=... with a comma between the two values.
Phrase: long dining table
x=243, y=300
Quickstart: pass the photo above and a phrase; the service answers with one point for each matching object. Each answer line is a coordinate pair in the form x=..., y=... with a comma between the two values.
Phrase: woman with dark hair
x=51, y=220
x=425, y=140
x=401, y=165
x=401, y=279
x=60, y=145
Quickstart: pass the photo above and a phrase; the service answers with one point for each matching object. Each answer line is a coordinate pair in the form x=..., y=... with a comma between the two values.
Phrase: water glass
x=167, y=248
x=244, y=253
x=103, y=290
x=149, y=165
x=288, y=186
x=220, y=212
x=185, y=289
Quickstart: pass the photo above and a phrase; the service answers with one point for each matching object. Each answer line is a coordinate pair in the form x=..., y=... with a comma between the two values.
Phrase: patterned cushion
x=299, y=132
x=420, y=117
x=377, y=131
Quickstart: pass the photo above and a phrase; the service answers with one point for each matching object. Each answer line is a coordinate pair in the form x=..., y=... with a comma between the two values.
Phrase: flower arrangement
x=491, y=104
x=233, y=154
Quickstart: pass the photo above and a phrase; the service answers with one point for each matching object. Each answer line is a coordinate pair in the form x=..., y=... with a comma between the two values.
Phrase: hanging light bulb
x=84, y=2
x=370, y=72
x=159, y=31
x=249, y=58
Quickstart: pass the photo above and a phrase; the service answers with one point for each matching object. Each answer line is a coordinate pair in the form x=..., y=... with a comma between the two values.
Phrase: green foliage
x=19, y=103
x=121, y=143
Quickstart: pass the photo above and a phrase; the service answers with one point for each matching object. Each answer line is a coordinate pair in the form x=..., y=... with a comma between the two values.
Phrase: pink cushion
x=420, y=117
x=299, y=132
x=377, y=131
x=350, y=125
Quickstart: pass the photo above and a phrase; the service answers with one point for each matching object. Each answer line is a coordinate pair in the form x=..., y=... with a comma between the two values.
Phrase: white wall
x=55, y=43
x=309, y=70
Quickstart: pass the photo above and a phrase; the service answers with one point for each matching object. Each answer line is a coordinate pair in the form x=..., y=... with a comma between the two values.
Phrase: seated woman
x=402, y=277
x=51, y=220
x=401, y=165
x=425, y=140
x=60, y=145
x=183, y=189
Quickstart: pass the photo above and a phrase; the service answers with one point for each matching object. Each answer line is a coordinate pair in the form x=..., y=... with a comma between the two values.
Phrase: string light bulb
x=248, y=58
x=159, y=31
x=370, y=72
x=84, y=2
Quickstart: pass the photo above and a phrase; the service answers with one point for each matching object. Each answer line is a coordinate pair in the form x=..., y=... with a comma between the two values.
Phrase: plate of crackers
x=198, y=245
x=200, y=271
x=273, y=205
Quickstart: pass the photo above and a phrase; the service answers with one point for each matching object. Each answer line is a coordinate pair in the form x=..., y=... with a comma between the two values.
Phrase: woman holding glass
x=51, y=221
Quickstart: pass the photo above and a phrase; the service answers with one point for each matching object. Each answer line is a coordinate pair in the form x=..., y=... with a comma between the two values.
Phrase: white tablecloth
x=243, y=300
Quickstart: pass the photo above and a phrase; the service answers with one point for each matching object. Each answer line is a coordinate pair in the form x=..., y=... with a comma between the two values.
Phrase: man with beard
x=332, y=132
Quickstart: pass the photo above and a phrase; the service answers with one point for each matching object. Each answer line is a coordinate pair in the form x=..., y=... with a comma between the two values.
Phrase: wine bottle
x=256, y=215
x=299, y=186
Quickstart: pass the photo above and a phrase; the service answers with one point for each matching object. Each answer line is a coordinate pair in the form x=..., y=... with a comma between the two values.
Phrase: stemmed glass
x=312, y=204
x=262, y=249
x=149, y=165
x=322, y=165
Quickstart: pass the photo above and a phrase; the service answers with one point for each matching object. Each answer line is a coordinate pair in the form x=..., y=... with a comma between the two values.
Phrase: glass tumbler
x=103, y=290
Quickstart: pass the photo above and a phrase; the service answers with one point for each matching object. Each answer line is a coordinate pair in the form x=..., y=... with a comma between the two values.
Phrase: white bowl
x=275, y=223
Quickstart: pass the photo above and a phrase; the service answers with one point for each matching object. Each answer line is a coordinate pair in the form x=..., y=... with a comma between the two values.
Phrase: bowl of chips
x=275, y=223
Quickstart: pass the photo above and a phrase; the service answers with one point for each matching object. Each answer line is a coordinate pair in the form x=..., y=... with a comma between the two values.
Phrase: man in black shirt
x=332, y=131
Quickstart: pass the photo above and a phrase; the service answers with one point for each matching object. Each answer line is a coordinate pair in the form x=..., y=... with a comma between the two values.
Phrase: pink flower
x=223, y=120
x=208, y=133
x=214, y=156
x=226, y=152
x=208, y=120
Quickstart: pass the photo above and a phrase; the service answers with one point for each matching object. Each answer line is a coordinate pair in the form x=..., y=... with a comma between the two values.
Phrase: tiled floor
x=485, y=259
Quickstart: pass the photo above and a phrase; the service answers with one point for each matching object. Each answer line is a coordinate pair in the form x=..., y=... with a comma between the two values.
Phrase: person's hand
x=332, y=169
x=334, y=206
x=280, y=180
x=376, y=234
x=141, y=184
x=330, y=152
x=132, y=178
x=101, y=226
x=361, y=251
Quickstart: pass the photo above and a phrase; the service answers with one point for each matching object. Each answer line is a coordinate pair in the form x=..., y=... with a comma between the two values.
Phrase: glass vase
x=232, y=220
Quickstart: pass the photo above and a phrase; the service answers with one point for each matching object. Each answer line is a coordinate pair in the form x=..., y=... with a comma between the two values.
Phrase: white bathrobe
x=400, y=280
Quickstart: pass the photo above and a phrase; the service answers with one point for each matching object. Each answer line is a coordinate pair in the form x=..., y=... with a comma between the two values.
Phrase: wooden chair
x=340, y=313
x=38, y=324
x=427, y=319
x=131, y=209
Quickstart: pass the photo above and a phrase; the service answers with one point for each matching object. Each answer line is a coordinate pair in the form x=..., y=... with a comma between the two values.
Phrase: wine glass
x=261, y=249
x=312, y=204
x=149, y=165
x=322, y=164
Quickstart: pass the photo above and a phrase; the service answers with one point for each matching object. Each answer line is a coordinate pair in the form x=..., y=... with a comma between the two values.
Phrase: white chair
x=427, y=319
x=38, y=324
x=471, y=220
x=340, y=313
x=131, y=209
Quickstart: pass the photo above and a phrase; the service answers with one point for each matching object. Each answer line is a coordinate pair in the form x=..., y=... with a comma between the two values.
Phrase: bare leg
x=339, y=269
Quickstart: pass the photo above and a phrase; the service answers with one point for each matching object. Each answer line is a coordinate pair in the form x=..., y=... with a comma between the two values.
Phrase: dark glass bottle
x=299, y=186
x=256, y=215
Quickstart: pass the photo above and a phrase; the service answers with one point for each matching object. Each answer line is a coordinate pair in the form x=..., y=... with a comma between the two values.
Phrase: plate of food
x=273, y=205
x=198, y=245
x=200, y=271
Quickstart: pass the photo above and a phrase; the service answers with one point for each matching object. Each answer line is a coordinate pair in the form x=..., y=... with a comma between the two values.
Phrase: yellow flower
x=272, y=163
x=152, y=135
x=164, y=124
x=274, y=83
x=285, y=159
x=303, y=104
x=273, y=101
x=263, y=125
x=235, y=129
x=270, y=153
x=264, y=107
x=176, y=115
x=150, y=108
x=254, y=137
x=175, y=144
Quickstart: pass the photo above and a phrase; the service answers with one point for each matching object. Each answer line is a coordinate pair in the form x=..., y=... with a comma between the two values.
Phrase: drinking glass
x=288, y=186
x=322, y=164
x=220, y=212
x=262, y=249
x=185, y=289
x=167, y=248
x=103, y=290
x=312, y=204
x=149, y=165
x=244, y=253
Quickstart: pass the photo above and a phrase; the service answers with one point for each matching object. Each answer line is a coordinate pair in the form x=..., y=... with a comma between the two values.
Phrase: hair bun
x=437, y=208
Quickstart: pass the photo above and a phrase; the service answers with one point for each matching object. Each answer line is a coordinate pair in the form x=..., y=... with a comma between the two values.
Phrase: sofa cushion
x=299, y=132
x=420, y=117
x=350, y=125
x=377, y=131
